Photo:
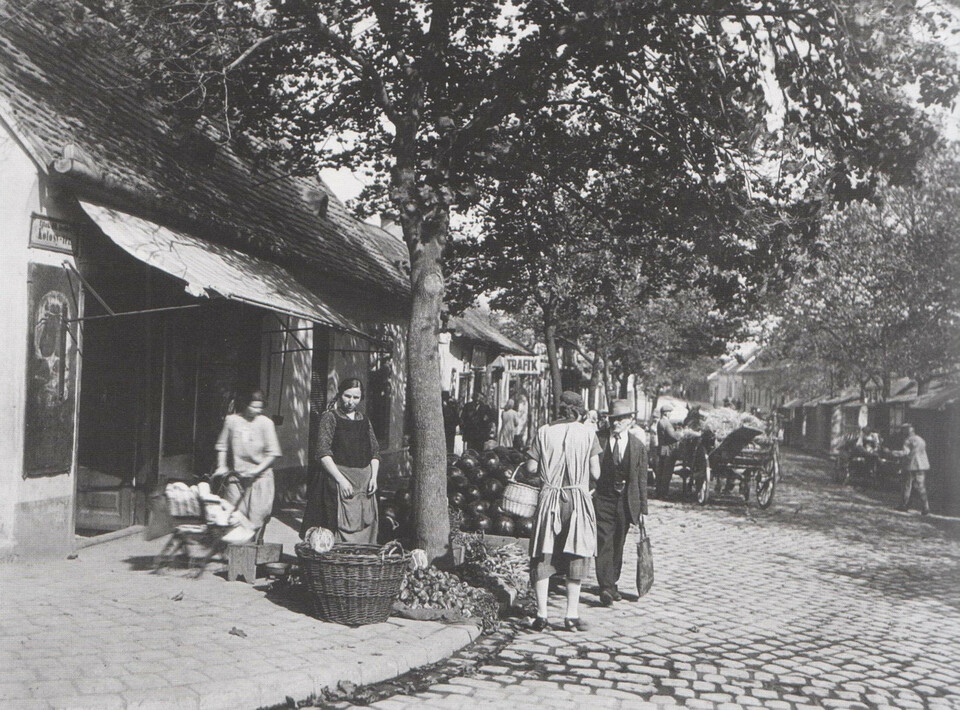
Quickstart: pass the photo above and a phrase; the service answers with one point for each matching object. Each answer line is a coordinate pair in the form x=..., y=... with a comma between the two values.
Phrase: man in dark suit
x=620, y=498
x=478, y=422
x=667, y=438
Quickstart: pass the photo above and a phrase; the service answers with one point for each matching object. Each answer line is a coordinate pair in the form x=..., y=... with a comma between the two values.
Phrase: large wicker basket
x=520, y=499
x=353, y=584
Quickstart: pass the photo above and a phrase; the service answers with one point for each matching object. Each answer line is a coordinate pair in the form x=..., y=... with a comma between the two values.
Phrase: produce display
x=431, y=588
x=475, y=487
x=509, y=564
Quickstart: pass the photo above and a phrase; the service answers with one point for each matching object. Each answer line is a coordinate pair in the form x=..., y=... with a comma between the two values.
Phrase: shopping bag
x=644, y=562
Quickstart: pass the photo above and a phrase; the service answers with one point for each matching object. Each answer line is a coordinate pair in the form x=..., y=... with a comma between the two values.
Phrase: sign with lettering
x=522, y=364
x=52, y=234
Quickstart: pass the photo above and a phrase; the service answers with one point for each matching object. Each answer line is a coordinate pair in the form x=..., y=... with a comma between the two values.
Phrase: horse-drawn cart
x=746, y=456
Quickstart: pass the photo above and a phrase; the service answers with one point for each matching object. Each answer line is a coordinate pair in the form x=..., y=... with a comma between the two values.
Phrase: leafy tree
x=885, y=297
x=426, y=95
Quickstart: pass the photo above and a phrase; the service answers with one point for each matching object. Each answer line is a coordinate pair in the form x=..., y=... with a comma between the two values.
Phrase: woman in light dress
x=566, y=454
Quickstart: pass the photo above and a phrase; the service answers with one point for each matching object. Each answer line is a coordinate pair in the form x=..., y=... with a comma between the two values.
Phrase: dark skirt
x=322, y=502
x=351, y=520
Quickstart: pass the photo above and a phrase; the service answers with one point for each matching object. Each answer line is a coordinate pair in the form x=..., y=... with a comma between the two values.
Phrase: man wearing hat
x=915, y=467
x=667, y=439
x=620, y=498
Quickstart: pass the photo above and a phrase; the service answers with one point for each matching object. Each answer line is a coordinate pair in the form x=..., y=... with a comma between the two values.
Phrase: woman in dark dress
x=342, y=494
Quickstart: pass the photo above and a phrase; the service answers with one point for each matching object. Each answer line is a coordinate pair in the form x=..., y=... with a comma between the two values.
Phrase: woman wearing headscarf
x=342, y=494
x=566, y=454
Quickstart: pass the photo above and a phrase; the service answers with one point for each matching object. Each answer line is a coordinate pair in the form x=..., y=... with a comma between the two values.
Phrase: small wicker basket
x=353, y=584
x=520, y=499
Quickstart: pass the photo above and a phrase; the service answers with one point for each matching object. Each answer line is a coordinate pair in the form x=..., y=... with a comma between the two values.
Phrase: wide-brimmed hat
x=621, y=408
x=571, y=399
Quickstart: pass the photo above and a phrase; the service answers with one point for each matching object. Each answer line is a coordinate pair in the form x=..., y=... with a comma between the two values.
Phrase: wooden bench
x=242, y=560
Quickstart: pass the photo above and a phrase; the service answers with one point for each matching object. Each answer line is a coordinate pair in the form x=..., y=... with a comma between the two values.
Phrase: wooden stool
x=242, y=560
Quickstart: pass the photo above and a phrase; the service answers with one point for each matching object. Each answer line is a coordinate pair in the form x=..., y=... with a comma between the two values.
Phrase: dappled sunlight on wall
x=285, y=378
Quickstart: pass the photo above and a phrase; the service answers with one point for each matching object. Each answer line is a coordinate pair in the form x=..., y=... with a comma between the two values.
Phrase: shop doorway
x=113, y=396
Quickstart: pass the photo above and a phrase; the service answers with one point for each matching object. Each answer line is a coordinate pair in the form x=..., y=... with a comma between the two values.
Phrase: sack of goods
x=723, y=421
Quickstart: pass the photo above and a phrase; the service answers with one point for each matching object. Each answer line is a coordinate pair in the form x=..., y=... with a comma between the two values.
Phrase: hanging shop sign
x=51, y=372
x=522, y=364
x=52, y=234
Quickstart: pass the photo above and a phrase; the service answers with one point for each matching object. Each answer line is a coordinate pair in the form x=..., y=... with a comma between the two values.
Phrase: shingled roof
x=57, y=90
x=474, y=325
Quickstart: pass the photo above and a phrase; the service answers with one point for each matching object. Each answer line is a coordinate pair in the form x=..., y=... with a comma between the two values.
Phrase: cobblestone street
x=828, y=599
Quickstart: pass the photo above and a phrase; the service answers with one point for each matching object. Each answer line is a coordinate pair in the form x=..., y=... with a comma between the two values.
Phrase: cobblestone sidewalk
x=97, y=633
x=827, y=600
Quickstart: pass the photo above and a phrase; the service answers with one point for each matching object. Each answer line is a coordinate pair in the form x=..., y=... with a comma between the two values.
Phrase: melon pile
x=475, y=485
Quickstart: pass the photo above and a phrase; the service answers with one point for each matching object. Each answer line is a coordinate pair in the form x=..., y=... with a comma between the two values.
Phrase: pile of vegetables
x=508, y=564
x=431, y=588
x=475, y=486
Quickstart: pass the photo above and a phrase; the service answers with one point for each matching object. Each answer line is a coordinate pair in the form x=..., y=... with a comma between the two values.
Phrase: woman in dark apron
x=342, y=494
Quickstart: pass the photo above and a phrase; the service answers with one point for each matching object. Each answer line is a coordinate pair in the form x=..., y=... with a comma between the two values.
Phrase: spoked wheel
x=766, y=484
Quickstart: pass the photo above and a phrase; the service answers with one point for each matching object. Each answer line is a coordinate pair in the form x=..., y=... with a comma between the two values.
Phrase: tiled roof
x=474, y=324
x=57, y=90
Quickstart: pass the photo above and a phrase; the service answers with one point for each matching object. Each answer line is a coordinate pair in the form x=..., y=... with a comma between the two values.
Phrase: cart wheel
x=766, y=484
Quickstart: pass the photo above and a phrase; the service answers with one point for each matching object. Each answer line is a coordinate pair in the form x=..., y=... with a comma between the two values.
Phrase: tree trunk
x=595, y=371
x=425, y=240
x=608, y=382
x=550, y=338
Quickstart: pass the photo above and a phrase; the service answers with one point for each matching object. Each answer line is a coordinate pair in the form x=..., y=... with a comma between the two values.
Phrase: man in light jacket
x=915, y=467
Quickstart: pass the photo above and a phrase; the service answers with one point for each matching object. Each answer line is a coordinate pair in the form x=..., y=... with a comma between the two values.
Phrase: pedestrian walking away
x=915, y=467
x=509, y=424
x=620, y=498
x=566, y=454
x=246, y=449
x=667, y=439
x=342, y=494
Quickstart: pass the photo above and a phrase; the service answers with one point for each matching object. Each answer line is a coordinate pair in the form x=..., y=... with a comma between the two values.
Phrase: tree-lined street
x=828, y=599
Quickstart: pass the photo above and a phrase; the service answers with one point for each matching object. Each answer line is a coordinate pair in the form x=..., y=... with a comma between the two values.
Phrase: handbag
x=644, y=562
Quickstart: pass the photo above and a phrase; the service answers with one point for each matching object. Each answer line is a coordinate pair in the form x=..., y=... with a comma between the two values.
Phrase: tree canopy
x=884, y=298
x=430, y=98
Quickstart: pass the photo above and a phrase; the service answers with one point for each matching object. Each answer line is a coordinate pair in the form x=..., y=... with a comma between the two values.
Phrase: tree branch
x=259, y=44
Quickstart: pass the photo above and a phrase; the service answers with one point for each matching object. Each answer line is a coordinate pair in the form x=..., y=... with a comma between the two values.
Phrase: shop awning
x=207, y=267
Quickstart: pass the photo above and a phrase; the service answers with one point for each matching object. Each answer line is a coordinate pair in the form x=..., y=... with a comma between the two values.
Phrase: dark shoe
x=606, y=597
x=575, y=625
x=617, y=597
x=539, y=624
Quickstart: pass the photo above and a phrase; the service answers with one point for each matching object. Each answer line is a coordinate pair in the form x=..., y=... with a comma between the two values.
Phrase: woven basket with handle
x=353, y=584
x=519, y=498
